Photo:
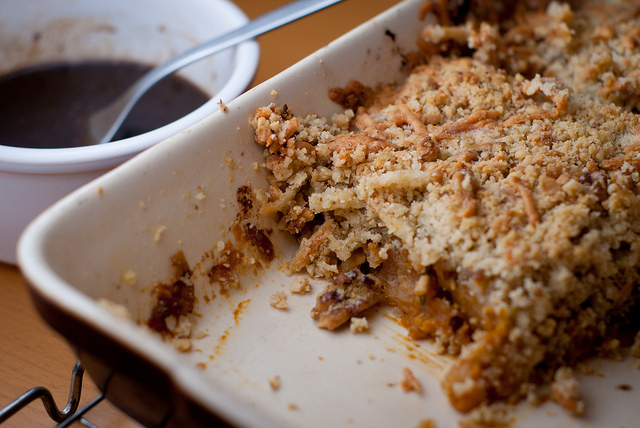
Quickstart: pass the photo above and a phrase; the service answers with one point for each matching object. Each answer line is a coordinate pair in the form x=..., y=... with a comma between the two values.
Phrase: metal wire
x=47, y=399
x=77, y=416
x=70, y=413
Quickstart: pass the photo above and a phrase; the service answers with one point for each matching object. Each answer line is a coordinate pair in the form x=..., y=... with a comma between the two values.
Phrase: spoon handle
x=263, y=24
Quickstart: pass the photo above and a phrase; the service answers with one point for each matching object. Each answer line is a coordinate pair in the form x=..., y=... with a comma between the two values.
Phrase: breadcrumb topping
x=409, y=383
x=358, y=325
x=278, y=300
x=493, y=196
x=129, y=277
x=274, y=382
x=300, y=285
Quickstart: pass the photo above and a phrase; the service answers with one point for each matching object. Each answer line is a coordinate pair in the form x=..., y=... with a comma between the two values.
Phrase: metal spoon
x=105, y=122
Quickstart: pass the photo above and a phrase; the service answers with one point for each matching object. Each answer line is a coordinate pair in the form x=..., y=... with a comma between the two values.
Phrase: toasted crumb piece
x=278, y=300
x=409, y=382
x=300, y=285
x=116, y=309
x=359, y=325
x=223, y=106
x=496, y=415
x=292, y=406
x=182, y=345
x=564, y=391
x=274, y=383
x=180, y=327
x=129, y=277
x=200, y=334
x=183, y=328
x=422, y=286
x=534, y=395
x=157, y=232
x=274, y=93
x=427, y=423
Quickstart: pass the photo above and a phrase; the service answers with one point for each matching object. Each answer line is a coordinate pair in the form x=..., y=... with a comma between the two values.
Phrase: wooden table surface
x=31, y=353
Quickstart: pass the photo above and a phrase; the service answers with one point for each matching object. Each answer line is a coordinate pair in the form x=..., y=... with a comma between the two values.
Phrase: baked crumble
x=300, y=285
x=274, y=383
x=358, y=325
x=409, y=383
x=493, y=196
x=278, y=300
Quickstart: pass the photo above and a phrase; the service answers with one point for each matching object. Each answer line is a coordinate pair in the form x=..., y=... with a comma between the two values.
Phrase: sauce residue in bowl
x=49, y=106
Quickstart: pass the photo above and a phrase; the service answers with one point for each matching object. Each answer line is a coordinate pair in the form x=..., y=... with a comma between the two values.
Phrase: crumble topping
x=493, y=196
x=116, y=309
x=158, y=231
x=359, y=325
x=278, y=300
x=427, y=423
x=409, y=383
x=274, y=383
x=565, y=391
x=182, y=344
x=300, y=285
x=495, y=416
x=129, y=277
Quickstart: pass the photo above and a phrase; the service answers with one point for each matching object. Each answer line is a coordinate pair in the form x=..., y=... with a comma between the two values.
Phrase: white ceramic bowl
x=144, y=31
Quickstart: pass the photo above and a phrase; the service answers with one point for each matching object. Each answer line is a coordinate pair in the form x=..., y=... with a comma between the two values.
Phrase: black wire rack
x=70, y=413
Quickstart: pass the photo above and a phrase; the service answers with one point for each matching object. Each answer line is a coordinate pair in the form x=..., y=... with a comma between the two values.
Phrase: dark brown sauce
x=48, y=106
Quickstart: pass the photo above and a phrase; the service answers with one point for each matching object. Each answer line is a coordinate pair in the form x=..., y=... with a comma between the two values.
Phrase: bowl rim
x=96, y=157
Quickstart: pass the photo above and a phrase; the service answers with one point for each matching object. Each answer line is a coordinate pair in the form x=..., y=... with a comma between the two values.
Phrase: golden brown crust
x=494, y=197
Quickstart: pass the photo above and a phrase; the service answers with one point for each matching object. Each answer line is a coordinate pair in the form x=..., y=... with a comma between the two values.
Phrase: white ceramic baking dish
x=181, y=196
